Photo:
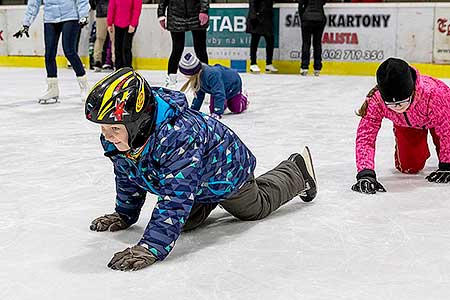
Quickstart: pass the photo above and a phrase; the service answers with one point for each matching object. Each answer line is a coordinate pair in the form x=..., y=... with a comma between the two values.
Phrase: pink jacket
x=430, y=109
x=123, y=13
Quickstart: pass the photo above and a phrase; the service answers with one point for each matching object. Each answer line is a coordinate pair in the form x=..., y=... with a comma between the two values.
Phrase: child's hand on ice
x=132, y=259
x=110, y=222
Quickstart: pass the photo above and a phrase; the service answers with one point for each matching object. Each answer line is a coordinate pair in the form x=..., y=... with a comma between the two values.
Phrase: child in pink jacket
x=124, y=15
x=415, y=104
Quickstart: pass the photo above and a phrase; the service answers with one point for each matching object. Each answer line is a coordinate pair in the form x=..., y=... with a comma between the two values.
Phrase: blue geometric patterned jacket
x=189, y=158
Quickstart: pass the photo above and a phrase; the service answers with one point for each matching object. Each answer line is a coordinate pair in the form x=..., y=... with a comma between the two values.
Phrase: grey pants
x=257, y=198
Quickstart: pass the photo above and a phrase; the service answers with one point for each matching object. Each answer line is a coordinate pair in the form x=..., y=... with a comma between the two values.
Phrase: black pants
x=178, y=39
x=314, y=30
x=270, y=44
x=123, y=41
x=70, y=32
x=257, y=198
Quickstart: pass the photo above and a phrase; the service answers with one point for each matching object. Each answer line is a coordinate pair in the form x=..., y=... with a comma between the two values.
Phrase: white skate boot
x=171, y=81
x=51, y=95
x=255, y=69
x=271, y=69
x=304, y=72
x=84, y=88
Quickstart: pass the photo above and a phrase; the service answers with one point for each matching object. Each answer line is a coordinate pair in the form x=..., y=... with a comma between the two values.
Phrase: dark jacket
x=311, y=10
x=189, y=158
x=260, y=17
x=220, y=82
x=182, y=15
x=100, y=6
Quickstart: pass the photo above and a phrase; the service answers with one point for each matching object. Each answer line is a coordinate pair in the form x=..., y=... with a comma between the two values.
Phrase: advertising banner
x=441, y=46
x=358, y=34
x=3, y=34
x=227, y=38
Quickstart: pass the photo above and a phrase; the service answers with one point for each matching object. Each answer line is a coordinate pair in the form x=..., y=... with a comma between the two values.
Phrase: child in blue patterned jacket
x=223, y=84
x=191, y=161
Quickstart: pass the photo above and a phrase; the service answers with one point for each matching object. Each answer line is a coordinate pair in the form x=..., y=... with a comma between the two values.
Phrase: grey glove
x=22, y=31
x=132, y=259
x=110, y=222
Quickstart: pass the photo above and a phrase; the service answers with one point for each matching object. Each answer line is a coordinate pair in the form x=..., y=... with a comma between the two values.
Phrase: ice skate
x=304, y=72
x=171, y=81
x=271, y=69
x=316, y=73
x=84, y=88
x=107, y=68
x=255, y=69
x=304, y=163
x=97, y=67
x=51, y=95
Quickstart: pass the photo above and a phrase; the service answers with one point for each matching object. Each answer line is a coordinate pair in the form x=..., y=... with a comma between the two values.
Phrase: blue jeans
x=70, y=31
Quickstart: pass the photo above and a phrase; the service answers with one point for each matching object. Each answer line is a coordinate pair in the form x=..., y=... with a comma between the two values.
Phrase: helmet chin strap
x=139, y=131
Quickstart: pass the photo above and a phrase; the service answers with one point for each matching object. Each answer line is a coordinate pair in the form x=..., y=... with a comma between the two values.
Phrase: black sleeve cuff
x=366, y=173
x=444, y=166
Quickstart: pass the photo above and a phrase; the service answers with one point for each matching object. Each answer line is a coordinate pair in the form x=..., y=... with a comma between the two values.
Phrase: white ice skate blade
x=308, y=161
x=48, y=101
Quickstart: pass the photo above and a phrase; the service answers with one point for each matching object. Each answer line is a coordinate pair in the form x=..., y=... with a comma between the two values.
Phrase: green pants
x=257, y=198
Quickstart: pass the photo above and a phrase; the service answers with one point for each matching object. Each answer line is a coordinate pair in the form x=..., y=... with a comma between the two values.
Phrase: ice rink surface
x=54, y=180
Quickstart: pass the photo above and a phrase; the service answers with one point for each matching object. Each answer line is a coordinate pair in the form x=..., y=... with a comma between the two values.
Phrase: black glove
x=22, y=31
x=367, y=183
x=441, y=175
x=83, y=22
x=111, y=222
x=132, y=259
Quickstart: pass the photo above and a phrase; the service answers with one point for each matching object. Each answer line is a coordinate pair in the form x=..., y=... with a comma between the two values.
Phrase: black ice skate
x=304, y=163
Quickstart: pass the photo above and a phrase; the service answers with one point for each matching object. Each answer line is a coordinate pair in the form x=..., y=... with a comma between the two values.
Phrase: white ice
x=54, y=180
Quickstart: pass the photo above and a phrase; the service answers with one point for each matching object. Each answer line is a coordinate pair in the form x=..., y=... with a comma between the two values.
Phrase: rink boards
x=356, y=38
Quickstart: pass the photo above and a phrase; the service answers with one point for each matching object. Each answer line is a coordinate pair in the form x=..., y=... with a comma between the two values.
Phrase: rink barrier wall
x=356, y=39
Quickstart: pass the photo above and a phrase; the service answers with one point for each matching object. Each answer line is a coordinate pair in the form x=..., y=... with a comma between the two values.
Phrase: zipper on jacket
x=407, y=120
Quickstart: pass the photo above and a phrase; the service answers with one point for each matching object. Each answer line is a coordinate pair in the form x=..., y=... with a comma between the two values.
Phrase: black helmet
x=396, y=80
x=123, y=97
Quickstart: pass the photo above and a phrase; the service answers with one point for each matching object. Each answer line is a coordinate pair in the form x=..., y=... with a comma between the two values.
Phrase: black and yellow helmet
x=123, y=97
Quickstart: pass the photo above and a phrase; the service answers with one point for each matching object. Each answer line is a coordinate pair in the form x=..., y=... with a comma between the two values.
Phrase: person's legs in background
x=306, y=47
x=317, y=46
x=119, y=37
x=254, y=42
x=270, y=45
x=175, y=57
x=108, y=55
x=52, y=32
x=199, y=38
x=100, y=38
x=127, y=45
x=70, y=34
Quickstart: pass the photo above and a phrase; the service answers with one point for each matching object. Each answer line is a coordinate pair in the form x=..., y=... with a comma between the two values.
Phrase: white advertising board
x=3, y=34
x=351, y=34
x=414, y=38
x=441, y=30
x=34, y=45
